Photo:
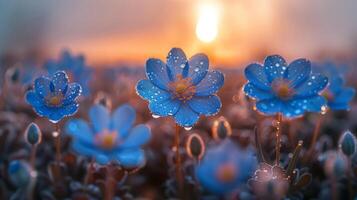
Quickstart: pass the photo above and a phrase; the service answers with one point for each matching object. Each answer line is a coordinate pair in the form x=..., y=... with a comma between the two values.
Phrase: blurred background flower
x=111, y=137
x=225, y=167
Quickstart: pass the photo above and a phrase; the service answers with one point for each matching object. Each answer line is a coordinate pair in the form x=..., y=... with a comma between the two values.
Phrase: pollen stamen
x=182, y=88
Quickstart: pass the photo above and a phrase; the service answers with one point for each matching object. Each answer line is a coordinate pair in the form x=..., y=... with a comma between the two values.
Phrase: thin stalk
x=258, y=146
x=293, y=160
x=315, y=136
x=109, y=183
x=30, y=189
x=179, y=176
x=278, y=135
x=89, y=174
x=33, y=156
x=58, y=143
x=349, y=177
x=316, y=133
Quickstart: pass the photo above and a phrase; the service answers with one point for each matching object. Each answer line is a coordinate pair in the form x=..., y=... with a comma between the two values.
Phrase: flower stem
x=293, y=160
x=178, y=159
x=278, y=135
x=58, y=143
x=109, y=183
x=258, y=144
x=31, y=186
x=89, y=174
x=349, y=177
x=315, y=135
x=33, y=156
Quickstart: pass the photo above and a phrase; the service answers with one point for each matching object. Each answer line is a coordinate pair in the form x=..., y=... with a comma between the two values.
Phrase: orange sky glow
x=129, y=32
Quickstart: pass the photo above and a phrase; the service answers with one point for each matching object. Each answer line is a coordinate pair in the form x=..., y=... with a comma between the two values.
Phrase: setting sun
x=207, y=23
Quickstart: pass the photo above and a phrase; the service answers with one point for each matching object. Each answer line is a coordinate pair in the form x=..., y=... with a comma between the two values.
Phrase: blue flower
x=225, y=167
x=337, y=95
x=54, y=97
x=290, y=89
x=75, y=66
x=110, y=137
x=184, y=89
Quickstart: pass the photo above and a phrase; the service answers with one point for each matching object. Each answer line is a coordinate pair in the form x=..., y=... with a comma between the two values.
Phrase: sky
x=131, y=31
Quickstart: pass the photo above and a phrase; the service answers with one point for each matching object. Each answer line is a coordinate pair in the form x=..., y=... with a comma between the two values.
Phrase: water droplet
x=55, y=133
x=323, y=110
x=187, y=128
x=155, y=116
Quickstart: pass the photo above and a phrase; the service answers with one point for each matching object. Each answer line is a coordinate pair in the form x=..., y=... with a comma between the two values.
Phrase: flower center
x=106, y=139
x=55, y=100
x=226, y=173
x=282, y=88
x=182, y=88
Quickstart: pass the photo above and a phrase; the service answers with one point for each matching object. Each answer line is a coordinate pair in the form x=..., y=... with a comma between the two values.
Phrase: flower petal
x=274, y=67
x=255, y=74
x=165, y=108
x=79, y=130
x=312, y=86
x=42, y=86
x=269, y=106
x=33, y=99
x=338, y=106
x=298, y=72
x=345, y=95
x=56, y=114
x=185, y=116
x=335, y=84
x=213, y=81
x=176, y=62
x=138, y=136
x=198, y=68
x=156, y=71
x=70, y=109
x=310, y=104
x=90, y=151
x=60, y=81
x=209, y=105
x=123, y=119
x=146, y=90
x=99, y=117
x=131, y=158
x=254, y=92
x=74, y=90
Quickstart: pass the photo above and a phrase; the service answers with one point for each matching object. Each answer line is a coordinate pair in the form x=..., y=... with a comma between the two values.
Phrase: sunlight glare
x=207, y=23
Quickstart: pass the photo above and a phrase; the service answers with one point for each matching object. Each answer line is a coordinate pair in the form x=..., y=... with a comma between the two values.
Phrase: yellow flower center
x=282, y=88
x=226, y=173
x=54, y=100
x=106, y=139
x=182, y=88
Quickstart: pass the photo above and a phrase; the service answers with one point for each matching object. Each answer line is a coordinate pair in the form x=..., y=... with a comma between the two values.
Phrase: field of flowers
x=177, y=129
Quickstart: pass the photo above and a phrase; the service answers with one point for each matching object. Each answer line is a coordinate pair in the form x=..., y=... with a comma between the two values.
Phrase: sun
x=207, y=23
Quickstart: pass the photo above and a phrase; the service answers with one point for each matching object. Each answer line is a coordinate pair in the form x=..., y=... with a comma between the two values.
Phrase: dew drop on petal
x=188, y=128
x=155, y=116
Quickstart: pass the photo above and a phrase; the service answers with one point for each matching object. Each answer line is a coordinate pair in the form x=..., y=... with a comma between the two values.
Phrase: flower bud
x=347, y=143
x=195, y=146
x=335, y=165
x=19, y=173
x=104, y=100
x=33, y=134
x=13, y=75
x=221, y=129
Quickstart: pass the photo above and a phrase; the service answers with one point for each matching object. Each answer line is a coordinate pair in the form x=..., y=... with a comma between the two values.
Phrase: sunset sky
x=130, y=31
